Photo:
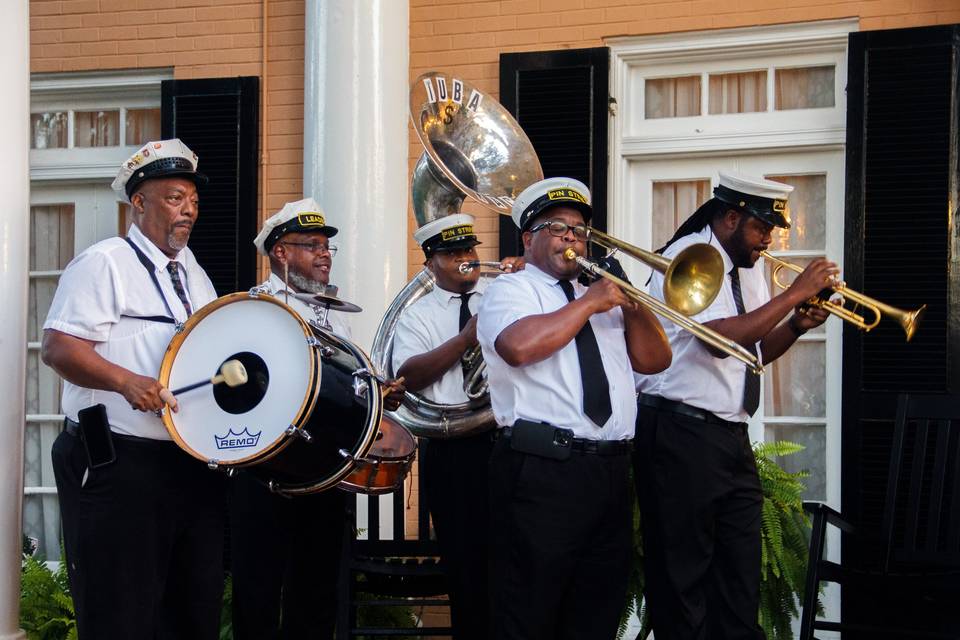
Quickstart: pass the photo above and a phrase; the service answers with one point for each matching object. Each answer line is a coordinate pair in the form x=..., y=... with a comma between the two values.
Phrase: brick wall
x=465, y=38
x=197, y=39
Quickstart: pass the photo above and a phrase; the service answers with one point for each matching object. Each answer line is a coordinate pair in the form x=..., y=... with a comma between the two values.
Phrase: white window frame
x=112, y=90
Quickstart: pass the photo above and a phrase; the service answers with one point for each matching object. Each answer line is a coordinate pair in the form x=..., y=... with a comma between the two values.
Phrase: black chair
x=918, y=542
x=404, y=571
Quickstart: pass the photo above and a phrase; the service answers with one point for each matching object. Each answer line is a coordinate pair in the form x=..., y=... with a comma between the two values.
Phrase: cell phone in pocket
x=541, y=439
x=96, y=436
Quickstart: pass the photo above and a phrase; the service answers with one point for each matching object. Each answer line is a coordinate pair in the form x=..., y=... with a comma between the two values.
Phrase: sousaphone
x=473, y=148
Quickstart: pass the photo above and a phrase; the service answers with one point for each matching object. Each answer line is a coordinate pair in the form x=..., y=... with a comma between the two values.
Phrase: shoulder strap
x=152, y=272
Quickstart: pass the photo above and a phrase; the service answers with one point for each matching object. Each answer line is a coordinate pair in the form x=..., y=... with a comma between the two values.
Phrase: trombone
x=705, y=334
x=691, y=281
x=909, y=320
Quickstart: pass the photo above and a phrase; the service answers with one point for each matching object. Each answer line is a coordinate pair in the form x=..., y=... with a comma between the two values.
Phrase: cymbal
x=323, y=300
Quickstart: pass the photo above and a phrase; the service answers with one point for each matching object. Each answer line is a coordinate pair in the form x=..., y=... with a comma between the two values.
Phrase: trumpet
x=909, y=320
x=702, y=332
x=691, y=281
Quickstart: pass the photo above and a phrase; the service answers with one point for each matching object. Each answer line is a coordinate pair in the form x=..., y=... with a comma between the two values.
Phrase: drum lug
x=178, y=327
x=346, y=455
x=213, y=464
x=292, y=430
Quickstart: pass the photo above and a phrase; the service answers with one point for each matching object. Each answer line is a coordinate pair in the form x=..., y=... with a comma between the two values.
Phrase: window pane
x=808, y=214
x=738, y=92
x=96, y=128
x=142, y=125
x=41, y=520
x=674, y=202
x=787, y=276
x=124, y=219
x=51, y=248
x=804, y=88
x=795, y=383
x=672, y=97
x=812, y=459
x=48, y=130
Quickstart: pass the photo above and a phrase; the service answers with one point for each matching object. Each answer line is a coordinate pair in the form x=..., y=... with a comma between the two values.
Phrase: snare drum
x=387, y=463
x=307, y=413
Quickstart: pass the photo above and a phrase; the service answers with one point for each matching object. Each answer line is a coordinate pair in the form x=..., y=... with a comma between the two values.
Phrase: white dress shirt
x=427, y=324
x=696, y=376
x=550, y=390
x=311, y=314
x=98, y=293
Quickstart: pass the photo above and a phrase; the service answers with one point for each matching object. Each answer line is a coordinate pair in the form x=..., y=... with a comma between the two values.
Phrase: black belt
x=72, y=427
x=585, y=445
x=684, y=409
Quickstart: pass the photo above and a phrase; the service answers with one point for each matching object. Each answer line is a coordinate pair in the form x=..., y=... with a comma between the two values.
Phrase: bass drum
x=308, y=411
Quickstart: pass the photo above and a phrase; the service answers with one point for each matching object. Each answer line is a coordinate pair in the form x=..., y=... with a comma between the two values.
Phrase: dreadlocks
x=700, y=218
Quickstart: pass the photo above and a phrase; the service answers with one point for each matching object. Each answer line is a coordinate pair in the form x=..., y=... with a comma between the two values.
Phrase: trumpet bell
x=909, y=320
x=693, y=279
x=472, y=146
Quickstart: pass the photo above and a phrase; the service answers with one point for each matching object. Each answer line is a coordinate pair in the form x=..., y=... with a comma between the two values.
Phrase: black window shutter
x=219, y=119
x=903, y=123
x=560, y=99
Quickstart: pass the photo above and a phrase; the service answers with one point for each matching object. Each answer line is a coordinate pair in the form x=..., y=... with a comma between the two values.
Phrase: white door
x=64, y=220
x=801, y=390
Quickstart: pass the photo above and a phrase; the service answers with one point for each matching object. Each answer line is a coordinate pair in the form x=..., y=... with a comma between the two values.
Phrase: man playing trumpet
x=561, y=358
x=696, y=477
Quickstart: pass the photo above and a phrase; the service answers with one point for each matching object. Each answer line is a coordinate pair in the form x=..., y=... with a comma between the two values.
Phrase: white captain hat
x=449, y=232
x=156, y=159
x=552, y=192
x=765, y=199
x=302, y=216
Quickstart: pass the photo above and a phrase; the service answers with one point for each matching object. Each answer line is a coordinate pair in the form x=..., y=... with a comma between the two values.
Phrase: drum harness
x=152, y=272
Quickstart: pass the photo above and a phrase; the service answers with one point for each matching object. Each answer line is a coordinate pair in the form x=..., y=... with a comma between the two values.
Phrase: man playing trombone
x=561, y=358
x=696, y=477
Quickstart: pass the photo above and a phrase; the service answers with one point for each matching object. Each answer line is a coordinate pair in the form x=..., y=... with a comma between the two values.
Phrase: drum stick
x=232, y=372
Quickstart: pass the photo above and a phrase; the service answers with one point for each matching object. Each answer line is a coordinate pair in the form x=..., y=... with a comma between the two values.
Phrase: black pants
x=143, y=539
x=285, y=560
x=560, y=545
x=700, y=502
x=455, y=473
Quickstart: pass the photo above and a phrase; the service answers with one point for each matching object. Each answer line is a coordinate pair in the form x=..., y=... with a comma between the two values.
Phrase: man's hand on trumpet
x=819, y=275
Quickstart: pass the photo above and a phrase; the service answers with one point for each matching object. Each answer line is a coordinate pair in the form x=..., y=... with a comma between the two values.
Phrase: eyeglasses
x=559, y=229
x=314, y=247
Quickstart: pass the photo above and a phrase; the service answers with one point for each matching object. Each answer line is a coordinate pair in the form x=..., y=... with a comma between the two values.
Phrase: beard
x=742, y=255
x=304, y=284
x=176, y=243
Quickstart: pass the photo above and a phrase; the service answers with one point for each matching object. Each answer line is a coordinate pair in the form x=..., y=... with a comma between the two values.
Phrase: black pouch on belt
x=541, y=439
x=96, y=436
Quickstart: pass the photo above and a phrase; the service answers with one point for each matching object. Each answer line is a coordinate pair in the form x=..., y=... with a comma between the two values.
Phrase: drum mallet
x=232, y=372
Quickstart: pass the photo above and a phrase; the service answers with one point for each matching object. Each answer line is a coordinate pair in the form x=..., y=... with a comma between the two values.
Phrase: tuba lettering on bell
x=472, y=148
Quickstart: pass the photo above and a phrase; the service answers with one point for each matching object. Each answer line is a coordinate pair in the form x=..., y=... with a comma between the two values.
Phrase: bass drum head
x=248, y=423
x=339, y=432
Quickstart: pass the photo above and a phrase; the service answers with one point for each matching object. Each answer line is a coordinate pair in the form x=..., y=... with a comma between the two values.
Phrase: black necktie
x=596, y=389
x=751, y=380
x=464, y=319
x=172, y=268
x=465, y=309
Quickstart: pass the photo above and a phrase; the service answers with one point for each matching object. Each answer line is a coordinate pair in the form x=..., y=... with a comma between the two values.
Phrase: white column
x=355, y=145
x=14, y=245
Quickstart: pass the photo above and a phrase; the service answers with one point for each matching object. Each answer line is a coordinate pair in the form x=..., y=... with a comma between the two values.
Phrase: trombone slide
x=702, y=332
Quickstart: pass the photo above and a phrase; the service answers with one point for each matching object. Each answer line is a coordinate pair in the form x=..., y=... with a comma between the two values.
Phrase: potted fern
x=785, y=531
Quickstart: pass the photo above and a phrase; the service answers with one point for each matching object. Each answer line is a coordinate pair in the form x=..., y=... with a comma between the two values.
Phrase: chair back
x=921, y=518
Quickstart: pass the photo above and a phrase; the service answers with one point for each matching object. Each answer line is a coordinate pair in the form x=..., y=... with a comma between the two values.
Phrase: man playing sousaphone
x=429, y=344
x=285, y=552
